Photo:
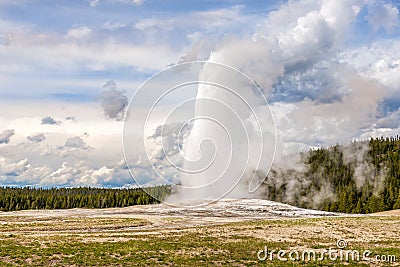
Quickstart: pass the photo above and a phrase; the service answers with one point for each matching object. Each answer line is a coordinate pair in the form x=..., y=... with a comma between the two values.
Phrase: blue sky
x=91, y=25
x=309, y=56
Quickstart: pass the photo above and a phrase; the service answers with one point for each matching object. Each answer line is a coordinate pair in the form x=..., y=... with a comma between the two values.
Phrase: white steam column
x=231, y=145
x=217, y=141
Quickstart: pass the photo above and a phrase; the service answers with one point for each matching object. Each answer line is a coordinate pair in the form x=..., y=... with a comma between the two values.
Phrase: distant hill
x=362, y=177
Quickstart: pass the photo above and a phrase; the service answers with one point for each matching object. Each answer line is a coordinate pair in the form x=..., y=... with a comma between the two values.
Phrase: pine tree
x=397, y=203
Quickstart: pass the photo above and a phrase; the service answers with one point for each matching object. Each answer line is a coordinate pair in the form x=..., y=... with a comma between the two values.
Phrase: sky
x=330, y=71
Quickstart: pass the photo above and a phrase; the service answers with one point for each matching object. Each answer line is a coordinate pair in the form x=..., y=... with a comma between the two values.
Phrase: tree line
x=12, y=198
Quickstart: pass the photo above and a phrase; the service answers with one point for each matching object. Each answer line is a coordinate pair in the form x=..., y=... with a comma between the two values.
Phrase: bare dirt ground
x=387, y=213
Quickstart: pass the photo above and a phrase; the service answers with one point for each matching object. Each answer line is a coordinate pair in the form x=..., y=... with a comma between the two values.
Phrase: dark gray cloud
x=77, y=142
x=50, y=121
x=70, y=118
x=113, y=101
x=36, y=138
x=6, y=135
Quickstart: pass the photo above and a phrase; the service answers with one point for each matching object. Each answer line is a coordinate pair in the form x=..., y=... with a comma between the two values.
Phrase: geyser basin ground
x=157, y=235
x=224, y=210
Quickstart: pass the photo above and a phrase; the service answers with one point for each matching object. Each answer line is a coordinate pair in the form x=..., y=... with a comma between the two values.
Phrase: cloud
x=13, y=168
x=384, y=16
x=81, y=50
x=292, y=40
x=135, y=2
x=77, y=142
x=70, y=162
x=36, y=138
x=113, y=25
x=50, y=121
x=8, y=40
x=219, y=17
x=148, y=23
x=138, y=2
x=305, y=32
x=223, y=21
x=169, y=139
x=6, y=135
x=342, y=120
x=93, y=3
x=22, y=172
x=80, y=175
x=113, y=101
x=78, y=32
x=379, y=60
x=70, y=118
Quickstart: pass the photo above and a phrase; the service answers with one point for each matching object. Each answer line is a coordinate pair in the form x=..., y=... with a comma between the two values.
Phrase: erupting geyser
x=231, y=143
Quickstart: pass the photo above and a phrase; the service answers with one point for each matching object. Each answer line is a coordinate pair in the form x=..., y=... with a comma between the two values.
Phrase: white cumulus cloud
x=78, y=32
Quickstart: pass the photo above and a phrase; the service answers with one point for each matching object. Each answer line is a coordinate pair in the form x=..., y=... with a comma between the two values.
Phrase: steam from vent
x=231, y=143
x=312, y=185
x=231, y=139
x=238, y=142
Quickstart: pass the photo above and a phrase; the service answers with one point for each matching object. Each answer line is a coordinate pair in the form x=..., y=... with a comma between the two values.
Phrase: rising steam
x=231, y=131
x=231, y=139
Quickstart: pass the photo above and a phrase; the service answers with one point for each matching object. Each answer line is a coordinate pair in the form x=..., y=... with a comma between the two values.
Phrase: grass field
x=168, y=241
